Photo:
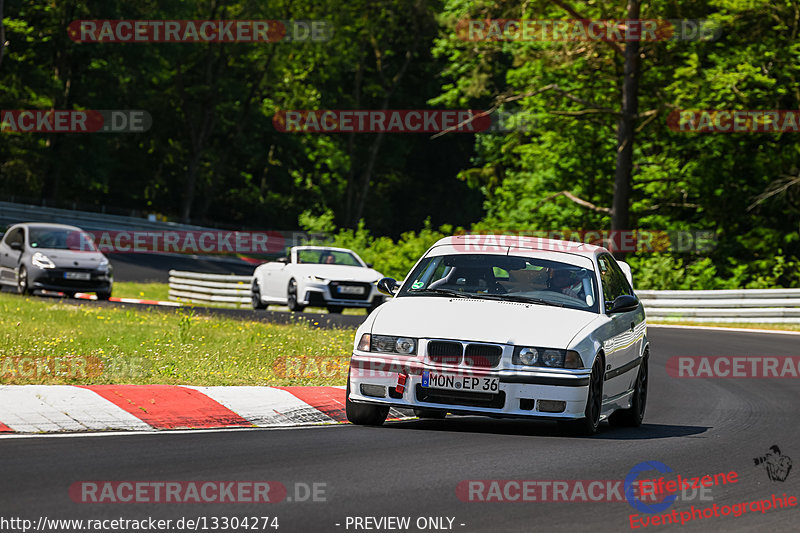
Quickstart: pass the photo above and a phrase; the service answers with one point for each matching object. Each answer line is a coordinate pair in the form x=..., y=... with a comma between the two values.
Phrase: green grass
x=87, y=344
x=145, y=291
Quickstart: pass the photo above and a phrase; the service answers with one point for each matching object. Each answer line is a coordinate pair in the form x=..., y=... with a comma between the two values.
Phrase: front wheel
x=256, y=297
x=362, y=414
x=589, y=424
x=22, y=282
x=633, y=416
x=291, y=297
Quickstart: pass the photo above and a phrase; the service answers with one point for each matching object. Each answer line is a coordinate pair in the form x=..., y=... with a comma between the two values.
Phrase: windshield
x=327, y=257
x=503, y=277
x=61, y=239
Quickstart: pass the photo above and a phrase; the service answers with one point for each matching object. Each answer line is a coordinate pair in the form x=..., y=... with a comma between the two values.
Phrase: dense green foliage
x=213, y=105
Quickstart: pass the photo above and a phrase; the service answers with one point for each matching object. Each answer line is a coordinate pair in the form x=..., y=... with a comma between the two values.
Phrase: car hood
x=71, y=258
x=480, y=320
x=338, y=272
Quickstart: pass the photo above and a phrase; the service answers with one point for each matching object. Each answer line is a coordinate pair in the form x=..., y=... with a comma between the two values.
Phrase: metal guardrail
x=762, y=306
x=12, y=213
x=219, y=289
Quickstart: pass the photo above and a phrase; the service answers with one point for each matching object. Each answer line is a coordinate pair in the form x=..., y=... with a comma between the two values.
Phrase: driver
x=563, y=281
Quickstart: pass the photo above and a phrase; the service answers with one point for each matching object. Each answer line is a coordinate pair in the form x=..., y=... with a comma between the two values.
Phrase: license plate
x=77, y=275
x=451, y=382
x=351, y=290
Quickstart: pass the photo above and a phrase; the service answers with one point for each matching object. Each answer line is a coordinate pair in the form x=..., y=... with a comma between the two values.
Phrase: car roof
x=47, y=225
x=520, y=241
x=323, y=248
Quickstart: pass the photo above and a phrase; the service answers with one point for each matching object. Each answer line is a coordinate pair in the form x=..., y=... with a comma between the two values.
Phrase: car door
x=9, y=257
x=276, y=277
x=622, y=336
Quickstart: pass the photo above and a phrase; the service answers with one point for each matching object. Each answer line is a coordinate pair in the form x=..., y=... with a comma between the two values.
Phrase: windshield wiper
x=497, y=297
x=522, y=299
x=446, y=292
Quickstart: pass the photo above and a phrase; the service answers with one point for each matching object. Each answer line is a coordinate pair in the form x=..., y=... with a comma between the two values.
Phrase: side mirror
x=283, y=260
x=623, y=304
x=388, y=286
x=16, y=245
x=369, y=265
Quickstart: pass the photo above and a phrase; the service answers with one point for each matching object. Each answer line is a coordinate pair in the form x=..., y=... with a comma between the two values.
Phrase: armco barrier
x=219, y=289
x=13, y=213
x=762, y=306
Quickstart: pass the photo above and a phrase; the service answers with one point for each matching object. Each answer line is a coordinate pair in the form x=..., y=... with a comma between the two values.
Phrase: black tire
x=589, y=424
x=335, y=309
x=103, y=295
x=433, y=414
x=256, y=297
x=363, y=414
x=633, y=416
x=291, y=297
x=22, y=282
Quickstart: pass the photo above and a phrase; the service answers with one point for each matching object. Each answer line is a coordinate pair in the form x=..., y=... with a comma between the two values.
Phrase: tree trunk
x=626, y=129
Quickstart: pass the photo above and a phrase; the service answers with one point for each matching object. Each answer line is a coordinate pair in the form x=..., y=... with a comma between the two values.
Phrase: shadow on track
x=537, y=428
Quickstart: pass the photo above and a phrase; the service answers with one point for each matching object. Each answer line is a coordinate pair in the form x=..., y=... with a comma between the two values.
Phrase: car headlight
x=528, y=356
x=546, y=357
x=103, y=265
x=387, y=344
x=42, y=261
x=315, y=279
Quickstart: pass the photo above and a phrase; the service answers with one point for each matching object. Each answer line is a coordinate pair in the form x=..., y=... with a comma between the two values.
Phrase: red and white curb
x=85, y=296
x=66, y=408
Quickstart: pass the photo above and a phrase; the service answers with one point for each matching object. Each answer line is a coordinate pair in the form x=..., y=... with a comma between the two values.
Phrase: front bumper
x=519, y=393
x=323, y=294
x=53, y=279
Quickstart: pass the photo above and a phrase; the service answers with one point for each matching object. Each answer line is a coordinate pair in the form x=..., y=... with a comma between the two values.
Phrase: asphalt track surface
x=412, y=468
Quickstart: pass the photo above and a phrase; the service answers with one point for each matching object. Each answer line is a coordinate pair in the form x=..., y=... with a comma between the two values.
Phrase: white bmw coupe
x=505, y=327
x=319, y=276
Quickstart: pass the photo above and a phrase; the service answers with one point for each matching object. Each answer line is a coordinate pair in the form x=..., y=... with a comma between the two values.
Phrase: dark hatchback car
x=55, y=257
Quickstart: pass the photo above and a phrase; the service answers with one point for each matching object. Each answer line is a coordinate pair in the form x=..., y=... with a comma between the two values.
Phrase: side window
x=15, y=236
x=613, y=279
